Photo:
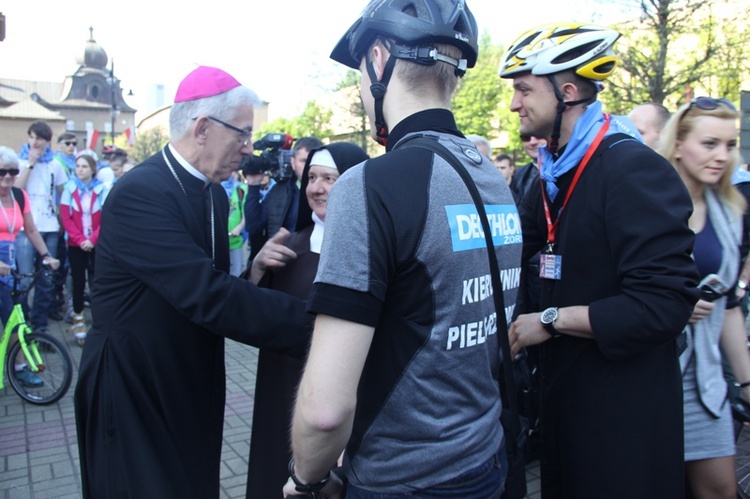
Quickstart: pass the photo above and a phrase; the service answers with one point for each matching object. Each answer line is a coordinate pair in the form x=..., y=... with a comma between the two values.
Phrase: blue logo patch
x=466, y=228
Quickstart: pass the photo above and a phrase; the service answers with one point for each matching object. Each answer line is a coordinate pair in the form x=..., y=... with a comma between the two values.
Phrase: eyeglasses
x=67, y=143
x=13, y=171
x=245, y=135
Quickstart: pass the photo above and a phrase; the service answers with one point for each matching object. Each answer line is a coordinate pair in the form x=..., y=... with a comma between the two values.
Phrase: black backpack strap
x=508, y=387
x=20, y=198
x=611, y=141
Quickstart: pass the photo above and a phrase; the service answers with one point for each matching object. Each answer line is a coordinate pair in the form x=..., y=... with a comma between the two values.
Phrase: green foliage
x=475, y=103
x=351, y=79
x=314, y=121
x=350, y=86
x=148, y=143
x=676, y=46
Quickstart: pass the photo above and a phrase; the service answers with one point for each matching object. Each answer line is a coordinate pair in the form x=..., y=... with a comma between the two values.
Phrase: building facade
x=89, y=99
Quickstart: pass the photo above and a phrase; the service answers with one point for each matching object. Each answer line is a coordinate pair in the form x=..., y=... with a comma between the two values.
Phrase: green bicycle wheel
x=52, y=381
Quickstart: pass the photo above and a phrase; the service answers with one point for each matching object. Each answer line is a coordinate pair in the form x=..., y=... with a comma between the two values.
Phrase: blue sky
x=279, y=48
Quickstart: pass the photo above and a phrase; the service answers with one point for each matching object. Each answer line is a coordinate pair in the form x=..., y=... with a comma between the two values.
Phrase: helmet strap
x=377, y=89
x=554, y=143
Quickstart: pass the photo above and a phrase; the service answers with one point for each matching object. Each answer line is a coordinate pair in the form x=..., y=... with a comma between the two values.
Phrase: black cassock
x=277, y=381
x=151, y=389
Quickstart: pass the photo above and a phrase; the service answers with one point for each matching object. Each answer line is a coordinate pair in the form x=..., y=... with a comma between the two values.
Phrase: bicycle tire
x=57, y=374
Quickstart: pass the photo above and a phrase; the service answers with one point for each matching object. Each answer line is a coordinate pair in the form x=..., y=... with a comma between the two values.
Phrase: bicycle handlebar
x=18, y=275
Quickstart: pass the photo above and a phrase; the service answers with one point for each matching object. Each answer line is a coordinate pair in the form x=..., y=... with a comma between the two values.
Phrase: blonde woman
x=700, y=141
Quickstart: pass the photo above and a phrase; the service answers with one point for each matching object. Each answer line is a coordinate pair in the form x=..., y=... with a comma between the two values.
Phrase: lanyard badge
x=550, y=265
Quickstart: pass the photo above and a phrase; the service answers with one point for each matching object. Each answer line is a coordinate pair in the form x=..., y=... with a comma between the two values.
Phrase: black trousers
x=81, y=263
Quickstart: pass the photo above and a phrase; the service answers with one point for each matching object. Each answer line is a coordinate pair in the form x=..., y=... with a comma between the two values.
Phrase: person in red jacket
x=80, y=212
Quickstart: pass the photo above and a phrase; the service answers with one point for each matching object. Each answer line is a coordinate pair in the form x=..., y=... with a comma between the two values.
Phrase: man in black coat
x=150, y=395
x=618, y=280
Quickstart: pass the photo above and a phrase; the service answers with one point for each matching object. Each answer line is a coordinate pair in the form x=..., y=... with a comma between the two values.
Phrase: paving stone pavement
x=39, y=451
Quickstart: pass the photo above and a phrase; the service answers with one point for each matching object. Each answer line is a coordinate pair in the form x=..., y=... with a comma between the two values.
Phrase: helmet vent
x=575, y=53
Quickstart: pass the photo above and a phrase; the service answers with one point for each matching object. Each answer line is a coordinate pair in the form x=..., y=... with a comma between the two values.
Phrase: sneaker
x=28, y=378
x=80, y=338
x=41, y=329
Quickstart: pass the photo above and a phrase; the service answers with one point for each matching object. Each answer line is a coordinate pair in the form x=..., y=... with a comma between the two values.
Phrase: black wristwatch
x=306, y=488
x=548, y=319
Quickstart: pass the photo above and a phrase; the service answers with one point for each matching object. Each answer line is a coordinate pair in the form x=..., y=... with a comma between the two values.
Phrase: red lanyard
x=552, y=227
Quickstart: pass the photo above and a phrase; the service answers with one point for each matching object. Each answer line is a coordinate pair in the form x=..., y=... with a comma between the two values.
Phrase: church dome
x=94, y=55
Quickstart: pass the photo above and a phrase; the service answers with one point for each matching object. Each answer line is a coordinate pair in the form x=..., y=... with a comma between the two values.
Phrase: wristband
x=46, y=255
x=742, y=385
x=306, y=488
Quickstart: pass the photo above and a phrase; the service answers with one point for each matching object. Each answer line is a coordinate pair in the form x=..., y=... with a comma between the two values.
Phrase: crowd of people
x=59, y=198
x=622, y=251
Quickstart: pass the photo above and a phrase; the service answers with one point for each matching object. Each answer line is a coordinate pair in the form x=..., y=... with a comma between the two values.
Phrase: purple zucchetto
x=205, y=81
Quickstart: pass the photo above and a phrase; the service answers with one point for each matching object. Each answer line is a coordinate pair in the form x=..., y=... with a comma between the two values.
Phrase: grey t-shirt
x=404, y=252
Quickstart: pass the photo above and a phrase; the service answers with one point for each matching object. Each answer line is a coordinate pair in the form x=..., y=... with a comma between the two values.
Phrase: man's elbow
x=325, y=416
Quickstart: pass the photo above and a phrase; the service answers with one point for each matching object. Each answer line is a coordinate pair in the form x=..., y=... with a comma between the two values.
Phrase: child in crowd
x=80, y=212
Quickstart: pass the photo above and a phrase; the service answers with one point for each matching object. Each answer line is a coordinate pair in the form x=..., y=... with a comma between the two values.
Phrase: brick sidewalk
x=39, y=452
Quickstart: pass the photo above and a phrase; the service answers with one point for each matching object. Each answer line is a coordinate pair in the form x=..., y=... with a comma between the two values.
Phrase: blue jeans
x=486, y=481
x=28, y=260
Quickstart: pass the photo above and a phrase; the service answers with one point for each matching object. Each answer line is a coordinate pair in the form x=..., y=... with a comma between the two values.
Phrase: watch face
x=549, y=316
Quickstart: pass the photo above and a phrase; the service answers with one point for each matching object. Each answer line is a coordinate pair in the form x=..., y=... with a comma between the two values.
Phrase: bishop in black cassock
x=151, y=389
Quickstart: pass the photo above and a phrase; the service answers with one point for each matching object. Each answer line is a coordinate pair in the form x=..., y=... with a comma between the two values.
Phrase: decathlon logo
x=466, y=227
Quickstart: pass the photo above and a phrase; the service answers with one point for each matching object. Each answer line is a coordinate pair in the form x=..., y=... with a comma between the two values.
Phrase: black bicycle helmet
x=410, y=29
x=436, y=21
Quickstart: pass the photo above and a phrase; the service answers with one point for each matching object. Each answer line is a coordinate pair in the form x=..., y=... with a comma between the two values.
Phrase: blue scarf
x=46, y=157
x=69, y=162
x=583, y=135
x=84, y=188
x=228, y=185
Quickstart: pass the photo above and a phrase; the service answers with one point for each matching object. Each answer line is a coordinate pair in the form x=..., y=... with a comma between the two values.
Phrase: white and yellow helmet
x=553, y=48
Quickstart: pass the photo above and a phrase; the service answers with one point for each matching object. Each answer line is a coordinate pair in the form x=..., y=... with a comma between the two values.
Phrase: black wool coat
x=611, y=407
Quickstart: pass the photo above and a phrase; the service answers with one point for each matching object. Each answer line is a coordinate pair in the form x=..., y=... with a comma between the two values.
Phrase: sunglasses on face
x=525, y=138
x=4, y=171
x=67, y=143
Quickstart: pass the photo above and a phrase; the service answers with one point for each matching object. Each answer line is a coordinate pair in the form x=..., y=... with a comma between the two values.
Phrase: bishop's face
x=225, y=146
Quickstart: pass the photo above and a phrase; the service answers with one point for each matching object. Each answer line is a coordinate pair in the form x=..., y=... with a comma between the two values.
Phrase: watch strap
x=306, y=488
x=550, y=328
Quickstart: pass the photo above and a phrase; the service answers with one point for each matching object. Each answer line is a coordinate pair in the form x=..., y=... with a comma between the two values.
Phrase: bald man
x=650, y=119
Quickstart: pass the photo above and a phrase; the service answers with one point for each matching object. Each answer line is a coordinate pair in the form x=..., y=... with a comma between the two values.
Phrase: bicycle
x=47, y=361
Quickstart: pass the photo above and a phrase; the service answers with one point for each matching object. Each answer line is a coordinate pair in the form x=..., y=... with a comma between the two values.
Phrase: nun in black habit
x=279, y=374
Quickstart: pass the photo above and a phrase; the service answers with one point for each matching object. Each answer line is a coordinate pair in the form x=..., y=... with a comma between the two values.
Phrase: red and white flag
x=92, y=136
x=130, y=134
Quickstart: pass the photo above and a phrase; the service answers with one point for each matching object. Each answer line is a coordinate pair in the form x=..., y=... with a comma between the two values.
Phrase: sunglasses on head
x=69, y=143
x=709, y=103
x=4, y=171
